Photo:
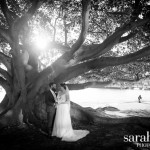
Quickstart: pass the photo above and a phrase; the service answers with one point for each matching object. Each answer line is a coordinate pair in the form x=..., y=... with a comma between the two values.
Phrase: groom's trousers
x=51, y=111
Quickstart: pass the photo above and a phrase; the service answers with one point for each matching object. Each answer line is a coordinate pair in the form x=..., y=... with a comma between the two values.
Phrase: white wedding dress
x=62, y=124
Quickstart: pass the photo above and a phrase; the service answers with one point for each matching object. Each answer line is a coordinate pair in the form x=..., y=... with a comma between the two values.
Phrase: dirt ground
x=101, y=137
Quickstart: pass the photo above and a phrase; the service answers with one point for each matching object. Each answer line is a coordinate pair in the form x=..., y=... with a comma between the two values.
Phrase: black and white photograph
x=75, y=74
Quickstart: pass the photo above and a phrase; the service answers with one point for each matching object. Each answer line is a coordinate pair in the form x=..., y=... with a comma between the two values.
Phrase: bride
x=62, y=124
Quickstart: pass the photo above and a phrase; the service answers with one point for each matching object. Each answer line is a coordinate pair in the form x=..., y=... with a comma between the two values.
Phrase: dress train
x=63, y=127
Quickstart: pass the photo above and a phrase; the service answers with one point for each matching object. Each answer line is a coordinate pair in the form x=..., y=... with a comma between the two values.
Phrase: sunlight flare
x=40, y=38
x=41, y=41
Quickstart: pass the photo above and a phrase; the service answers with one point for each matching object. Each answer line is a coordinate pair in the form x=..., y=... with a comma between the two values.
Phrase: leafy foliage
x=61, y=23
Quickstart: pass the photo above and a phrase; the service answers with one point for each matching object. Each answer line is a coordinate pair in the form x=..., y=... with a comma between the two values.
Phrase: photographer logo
x=140, y=140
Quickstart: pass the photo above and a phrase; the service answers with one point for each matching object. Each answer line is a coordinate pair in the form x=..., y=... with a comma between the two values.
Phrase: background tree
x=101, y=39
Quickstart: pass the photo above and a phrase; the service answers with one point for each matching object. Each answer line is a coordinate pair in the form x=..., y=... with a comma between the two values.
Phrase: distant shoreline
x=119, y=88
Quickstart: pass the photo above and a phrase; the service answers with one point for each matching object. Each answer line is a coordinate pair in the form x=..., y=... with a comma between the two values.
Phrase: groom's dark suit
x=50, y=108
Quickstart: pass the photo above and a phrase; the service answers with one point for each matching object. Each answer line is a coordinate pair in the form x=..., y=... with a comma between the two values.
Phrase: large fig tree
x=105, y=39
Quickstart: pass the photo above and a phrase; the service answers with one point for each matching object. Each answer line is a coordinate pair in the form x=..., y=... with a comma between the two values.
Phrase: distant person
x=139, y=98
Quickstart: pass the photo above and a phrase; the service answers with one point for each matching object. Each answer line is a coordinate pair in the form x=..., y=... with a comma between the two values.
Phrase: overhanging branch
x=88, y=85
x=115, y=38
x=125, y=80
x=100, y=63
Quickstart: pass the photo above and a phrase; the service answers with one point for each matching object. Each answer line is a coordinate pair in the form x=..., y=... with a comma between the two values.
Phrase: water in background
x=93, y=97
x=122, y=99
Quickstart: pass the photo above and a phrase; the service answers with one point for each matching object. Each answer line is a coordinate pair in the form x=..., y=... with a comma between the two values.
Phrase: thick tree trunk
x=13, y=116
x=39, y=114
x=4, y=103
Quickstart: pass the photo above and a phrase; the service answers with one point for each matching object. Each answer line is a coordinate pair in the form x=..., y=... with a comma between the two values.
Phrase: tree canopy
x=48, y=40
x=116, y=28
x=80, y=37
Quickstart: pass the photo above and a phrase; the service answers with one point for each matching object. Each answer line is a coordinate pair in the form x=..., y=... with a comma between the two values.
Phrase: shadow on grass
x=103, y=136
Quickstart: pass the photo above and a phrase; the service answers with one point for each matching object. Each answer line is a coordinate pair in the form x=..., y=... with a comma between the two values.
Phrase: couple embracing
x=58, y=114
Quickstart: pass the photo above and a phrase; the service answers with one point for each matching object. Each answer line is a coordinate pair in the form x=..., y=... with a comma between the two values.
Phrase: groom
x=50, y=100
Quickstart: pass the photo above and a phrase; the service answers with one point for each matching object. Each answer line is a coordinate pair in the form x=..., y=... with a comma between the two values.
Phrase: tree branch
x=100, y=63
x=4, y=83
x=5, y=74
x=99, y=49
x=85, y=25
x=94, y=50
x=65, y=29
x=4, y=33
x=6, y=61
x=88, y=85
x=125, y=80
x=54, y=26
x=4, y=102
x=125, y=38
x=85, y=22
x=10, y=16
